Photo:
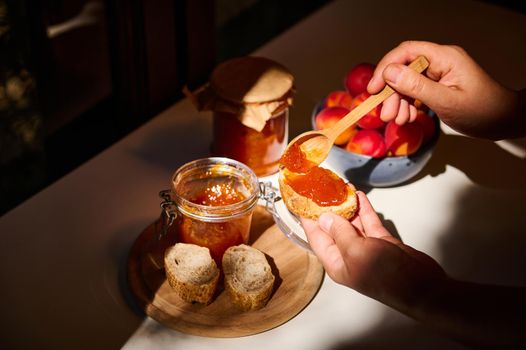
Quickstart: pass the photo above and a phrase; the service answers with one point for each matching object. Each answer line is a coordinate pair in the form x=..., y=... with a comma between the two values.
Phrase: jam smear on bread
x=309, y=180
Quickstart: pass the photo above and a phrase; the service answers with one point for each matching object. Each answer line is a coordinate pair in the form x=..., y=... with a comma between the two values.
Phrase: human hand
x=454, y=86
x=363, y=255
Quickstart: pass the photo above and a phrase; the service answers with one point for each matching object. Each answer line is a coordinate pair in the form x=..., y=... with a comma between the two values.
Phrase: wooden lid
x=251, y=80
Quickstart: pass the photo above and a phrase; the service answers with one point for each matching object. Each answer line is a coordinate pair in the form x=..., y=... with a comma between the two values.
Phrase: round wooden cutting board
x=298, y=277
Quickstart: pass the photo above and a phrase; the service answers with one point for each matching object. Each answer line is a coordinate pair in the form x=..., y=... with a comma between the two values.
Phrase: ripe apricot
x=368, y=142
x=403, y=140
x=338, y=98
x=358, y=77
x=327, y=117
x=372, y=119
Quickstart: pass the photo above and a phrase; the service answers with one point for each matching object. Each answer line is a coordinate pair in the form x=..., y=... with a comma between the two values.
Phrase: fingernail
x=325, y=222
x=391, y=74
x=370, y=83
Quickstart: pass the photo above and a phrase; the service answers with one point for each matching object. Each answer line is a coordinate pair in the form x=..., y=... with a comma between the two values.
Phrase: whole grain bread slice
x=191, y=272
x=248, y=277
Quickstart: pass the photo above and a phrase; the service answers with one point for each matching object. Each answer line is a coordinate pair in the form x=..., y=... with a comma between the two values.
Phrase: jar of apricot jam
x=260, y=150
x=214, y=200
x=250, y=99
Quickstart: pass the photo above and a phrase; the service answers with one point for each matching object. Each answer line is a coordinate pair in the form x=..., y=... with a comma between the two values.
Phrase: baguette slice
x=248, y=277
x=191, y=272
x=305, y=207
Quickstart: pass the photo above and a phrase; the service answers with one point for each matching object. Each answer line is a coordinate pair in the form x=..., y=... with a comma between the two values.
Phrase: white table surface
x=63, y=252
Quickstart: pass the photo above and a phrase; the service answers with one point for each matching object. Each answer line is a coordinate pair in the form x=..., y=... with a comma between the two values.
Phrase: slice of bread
x=305, y=207
x=191, y=272
x=248, y=277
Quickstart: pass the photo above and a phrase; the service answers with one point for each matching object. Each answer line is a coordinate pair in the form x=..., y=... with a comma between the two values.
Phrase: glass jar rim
x=220, y=165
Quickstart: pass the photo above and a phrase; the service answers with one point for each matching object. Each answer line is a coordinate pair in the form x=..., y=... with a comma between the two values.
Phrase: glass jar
x=250, y=99
x=260, y=150
x=214, y=200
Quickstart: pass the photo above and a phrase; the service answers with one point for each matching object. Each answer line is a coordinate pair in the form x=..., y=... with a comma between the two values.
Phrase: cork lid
x=251, y=88
x=251, y=80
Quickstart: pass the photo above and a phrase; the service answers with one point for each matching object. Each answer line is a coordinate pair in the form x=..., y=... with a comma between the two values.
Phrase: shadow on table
x=176, y=144
x=408, y=336
x=482, y=161
x=484, y=242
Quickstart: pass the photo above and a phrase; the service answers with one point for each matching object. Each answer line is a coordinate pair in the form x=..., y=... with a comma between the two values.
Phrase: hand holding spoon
x=317, y=144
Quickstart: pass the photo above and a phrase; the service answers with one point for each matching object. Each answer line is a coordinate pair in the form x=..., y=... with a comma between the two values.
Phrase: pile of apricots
x=372, y=136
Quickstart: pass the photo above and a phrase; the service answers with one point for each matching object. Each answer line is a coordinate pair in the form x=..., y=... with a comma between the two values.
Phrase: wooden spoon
x=317, y=144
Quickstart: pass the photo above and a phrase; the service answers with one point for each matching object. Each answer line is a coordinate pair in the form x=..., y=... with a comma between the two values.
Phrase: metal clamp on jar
x=250, y=99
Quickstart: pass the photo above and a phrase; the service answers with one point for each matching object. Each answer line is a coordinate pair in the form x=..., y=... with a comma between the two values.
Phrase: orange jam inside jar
x=260, y=150
x=250, y=99
x=215, y=198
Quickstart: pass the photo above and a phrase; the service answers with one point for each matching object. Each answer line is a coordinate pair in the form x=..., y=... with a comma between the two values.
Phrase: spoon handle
x=419, y=65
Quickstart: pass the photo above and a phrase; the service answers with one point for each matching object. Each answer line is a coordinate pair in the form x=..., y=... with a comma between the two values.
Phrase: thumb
x=408, y=82
x=339, y=229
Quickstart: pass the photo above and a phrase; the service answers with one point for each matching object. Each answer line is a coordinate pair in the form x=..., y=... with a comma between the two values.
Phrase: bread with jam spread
x=248, y=277
x=303, y=206
x=191, y=272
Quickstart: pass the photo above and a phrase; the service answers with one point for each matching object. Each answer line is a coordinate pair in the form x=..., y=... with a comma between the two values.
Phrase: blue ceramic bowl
x=367, y=171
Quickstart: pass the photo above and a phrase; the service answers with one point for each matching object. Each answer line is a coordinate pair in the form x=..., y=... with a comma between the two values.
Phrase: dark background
x=78, y=75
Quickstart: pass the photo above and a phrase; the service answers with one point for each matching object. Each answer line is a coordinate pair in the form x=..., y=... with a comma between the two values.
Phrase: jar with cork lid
x=250, y=99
